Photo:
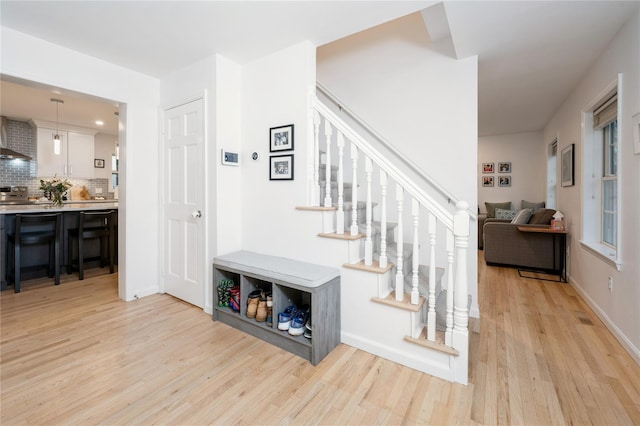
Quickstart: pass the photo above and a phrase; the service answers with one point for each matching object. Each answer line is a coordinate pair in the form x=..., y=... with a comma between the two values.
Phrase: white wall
x=528, y=168
x=105, y=147
x=275, y=93
x=29, y=58
x=619, y=308
x=423, y=102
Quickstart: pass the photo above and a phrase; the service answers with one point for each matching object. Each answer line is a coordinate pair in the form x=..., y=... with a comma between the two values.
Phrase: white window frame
x=592, y=181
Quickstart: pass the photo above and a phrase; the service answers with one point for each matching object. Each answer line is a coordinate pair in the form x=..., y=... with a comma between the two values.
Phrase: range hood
x=6, y=153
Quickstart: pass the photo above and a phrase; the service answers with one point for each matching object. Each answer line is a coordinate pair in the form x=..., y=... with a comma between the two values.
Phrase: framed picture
x=504, y=167
x=281, y=167
x=98, y=163
x=281, y=138
x=636, y=133
x=504, y=180
x=487, y=181
x=487, y=168
x=567, y=159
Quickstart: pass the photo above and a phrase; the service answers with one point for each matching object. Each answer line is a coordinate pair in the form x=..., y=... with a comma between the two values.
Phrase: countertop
x=66, y=207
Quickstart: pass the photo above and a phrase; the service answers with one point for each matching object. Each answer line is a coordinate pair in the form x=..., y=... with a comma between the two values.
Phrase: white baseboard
x=142, y=293
x=611, y=326
x=424, y=363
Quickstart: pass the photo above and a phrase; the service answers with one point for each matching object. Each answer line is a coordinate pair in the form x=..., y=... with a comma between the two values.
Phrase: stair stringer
x=380, y=329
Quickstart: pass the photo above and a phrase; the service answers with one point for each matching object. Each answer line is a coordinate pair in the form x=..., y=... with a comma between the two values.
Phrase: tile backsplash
x=21, y=137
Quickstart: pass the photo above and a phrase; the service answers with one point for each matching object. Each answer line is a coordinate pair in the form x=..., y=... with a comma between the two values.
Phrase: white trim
x=604, y=252
x=633, y=351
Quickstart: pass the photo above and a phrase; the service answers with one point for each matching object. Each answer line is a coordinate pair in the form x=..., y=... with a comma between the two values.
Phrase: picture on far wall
x=281, y=138
x=504, y=167
x=487, y=181
x=504, y=180
x=487, y=168
x=567, y=165
x=281, y=167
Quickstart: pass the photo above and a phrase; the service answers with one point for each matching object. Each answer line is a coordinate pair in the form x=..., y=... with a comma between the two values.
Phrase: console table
x=562, y=238
x=290, y=282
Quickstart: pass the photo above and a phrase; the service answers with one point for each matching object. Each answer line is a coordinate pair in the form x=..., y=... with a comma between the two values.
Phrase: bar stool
x=92, y=225
x=35, y=229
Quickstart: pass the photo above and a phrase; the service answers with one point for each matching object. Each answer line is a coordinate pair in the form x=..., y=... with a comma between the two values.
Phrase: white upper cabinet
x=76, y=156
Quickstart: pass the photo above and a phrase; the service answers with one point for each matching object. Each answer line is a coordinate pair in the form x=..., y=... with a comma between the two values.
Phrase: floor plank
x=76, y=354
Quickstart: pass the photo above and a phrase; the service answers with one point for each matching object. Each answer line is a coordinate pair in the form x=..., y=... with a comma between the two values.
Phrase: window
x=552, y=160
x=601, y=189
x=610, y=183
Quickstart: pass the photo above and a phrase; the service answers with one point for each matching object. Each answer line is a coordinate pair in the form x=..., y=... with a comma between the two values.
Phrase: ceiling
x=531, y=54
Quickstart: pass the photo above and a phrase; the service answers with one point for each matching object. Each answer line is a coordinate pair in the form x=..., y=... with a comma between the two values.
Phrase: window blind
x=606, y=113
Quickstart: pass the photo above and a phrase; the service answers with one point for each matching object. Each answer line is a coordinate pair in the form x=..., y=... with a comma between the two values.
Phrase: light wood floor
x=76, y=354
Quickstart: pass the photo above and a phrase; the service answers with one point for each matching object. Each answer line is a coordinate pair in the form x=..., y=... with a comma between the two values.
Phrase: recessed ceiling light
x=99, y=122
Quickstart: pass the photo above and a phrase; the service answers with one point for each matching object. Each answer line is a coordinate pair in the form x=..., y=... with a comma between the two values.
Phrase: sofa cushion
x=542, y=217
x=522, y=217
x=491, y=207
x=505, y=214
x=531, y=205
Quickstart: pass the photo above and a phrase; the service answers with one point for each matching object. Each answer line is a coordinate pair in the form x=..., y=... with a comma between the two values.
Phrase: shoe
x=234, y=298
x=298, y=322
x=252, y=303
x=307, y=328
x=261, y=313
x=284, y=317
x=269, y=310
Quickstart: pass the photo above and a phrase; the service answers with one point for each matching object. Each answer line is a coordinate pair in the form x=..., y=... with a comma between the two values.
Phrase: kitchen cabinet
x=76, y=154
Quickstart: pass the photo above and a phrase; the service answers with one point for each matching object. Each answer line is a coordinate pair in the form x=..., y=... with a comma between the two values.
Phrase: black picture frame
x=281, y=138
x=98, y=163
x=567, y=159
x=281, y=167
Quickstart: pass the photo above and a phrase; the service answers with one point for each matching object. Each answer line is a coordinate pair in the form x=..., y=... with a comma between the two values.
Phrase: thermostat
x=230, y=158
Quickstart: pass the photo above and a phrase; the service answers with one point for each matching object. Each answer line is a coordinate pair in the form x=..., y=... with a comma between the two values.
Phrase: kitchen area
x=45, y=135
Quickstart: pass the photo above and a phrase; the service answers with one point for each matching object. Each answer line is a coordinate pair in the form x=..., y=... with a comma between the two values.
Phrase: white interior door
x=184, y=189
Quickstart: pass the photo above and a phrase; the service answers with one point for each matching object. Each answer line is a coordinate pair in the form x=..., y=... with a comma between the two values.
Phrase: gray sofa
x=504, y=244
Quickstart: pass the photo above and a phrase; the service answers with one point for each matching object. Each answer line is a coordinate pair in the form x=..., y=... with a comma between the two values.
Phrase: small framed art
x=281, y=167
x=281, y=138
x=487, y=168
x=487, y=181
x=504, y=167
x=98, y=163
x=504, y=180
x=567, y=165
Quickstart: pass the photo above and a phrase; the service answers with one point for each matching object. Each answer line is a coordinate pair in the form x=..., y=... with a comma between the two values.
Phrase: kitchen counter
x=67, y=206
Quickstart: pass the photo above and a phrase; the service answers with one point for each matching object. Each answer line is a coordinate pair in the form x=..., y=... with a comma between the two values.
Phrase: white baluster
x=368, y=244
x=340, y=211
x=354, y=190
x=328, y=131
x=399, y=243
x=449, y=317
x=382, y=262
x=316, y=159
x=431, y=313
x=415, y=291
x=460, y=309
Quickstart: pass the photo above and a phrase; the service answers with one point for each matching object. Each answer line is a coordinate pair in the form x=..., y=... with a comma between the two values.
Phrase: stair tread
x=438, y=344
x=405, y=304
x=375, y=267
x=345, y=236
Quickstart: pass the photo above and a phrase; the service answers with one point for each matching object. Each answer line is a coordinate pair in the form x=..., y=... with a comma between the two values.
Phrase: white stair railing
x=340, y=211
x=453, y=243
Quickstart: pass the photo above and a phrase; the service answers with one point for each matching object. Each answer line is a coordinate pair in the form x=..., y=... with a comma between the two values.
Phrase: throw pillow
x=542, y=217
x=491, y=207
x=522, y=217
x=505, y=214
x=530, y=205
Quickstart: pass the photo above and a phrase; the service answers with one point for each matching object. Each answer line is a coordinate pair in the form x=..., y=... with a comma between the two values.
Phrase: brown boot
x=252, y=303
x=261, y=314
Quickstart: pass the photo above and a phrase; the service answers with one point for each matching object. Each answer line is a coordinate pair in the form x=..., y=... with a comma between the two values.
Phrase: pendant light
x=57, y=143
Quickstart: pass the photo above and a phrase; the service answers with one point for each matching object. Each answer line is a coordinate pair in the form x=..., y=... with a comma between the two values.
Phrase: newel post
x=461, y=292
